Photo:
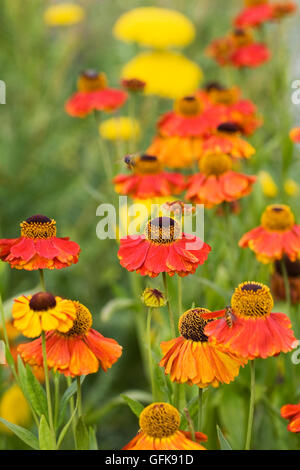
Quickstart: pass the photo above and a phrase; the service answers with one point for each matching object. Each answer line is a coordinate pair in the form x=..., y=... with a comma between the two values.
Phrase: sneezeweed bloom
x=227, y=139
x=162, y=248
x=282, y=9
x=147, y=179
x=94, y=94
x=277, y=235
x=42, y=312
x=295, y=135
x=292, y=414
x=120, y=128
x=191, y=359
x=268, y=185
x=159, y=430
x=153, y=298
x=167, y=74
x=217, y=182
x=133, y=85
x=14, y=408
x=80, y=351
x=291, y=187
x=278, y=284
x=254, y=16
x=64, y=14
x=38, y=247
x=253, y=331
x=155, y=27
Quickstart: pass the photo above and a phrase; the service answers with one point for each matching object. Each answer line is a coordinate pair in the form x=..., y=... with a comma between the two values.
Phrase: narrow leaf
x=23, y=434
x=82, y=435
x=224, y=444
x=135, y=406
x=46, y=438
x=71, y=390
x=65, y=428
x=92, y=438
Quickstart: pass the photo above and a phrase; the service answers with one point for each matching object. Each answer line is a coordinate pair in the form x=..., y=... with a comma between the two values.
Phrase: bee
x=228, y=316
x=129, y=160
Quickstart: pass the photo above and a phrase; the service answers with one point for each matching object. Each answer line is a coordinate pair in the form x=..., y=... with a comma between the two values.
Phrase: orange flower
x=38, y=247
x=253, y=331
x=159, y=423
x=292, y=413
x=191, y=359
x=94, y=95
x=254, y=16
x=79, y=351
x=216, y=182
x=148, y=180
x=227, y=139
x=277, y=235
x=163, y=248
x=295, y=135
x=281, y=9
x=42, y=312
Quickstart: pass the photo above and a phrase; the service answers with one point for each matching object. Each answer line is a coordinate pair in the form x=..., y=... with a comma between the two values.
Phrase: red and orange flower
x=38, y=247
x=191, y=359
x=162, y=248
x=94, y=95
x=278, y=235
x=216, y=182
x=159, y=430
x=148, y=179
x=253, y=331
x=255, y=15
x=292, y=414
x=295, y=135
x=79, y=351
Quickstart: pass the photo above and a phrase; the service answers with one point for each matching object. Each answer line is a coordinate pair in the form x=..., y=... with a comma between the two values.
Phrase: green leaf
x=3, y=359
x=10, y=359
x=92, y=438
x=224, y=444
x=135, y=406
x=46, y=438
x=32, y=389
x=113, y=306
x=82, y=435
x=71, y=390
x=23, y=434
x=65, y=428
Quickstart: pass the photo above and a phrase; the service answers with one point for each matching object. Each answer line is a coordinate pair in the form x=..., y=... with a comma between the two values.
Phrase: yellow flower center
x=277, y=217
x=251, y=3
x=162, y=230
x=42, y=301
x=82, y=322
x=90, y=80
x=252, y=299
x=221, y=95
x=188, y=106
x=38, y=226
x=159, y=420
x=241, y=37
x=191, y=324
x=215, y=164
x=147, y=164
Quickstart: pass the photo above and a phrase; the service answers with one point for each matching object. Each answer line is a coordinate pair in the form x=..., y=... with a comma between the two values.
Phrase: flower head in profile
x=42, y=312
x=155, y=27
x=120, y=128
x=227, y=139
x=295, y=135
x=277, y=235
x=133, y=85
x=253, y=330
x=162, y=248
x=159, y=430
x=94, y=94
x=153, y=298
x=79, y=351
x=217, y=182
x=166, y=73
x=147, y=179
x=64, y=14
x=292, y=414
x=191, y=359
x=38, y=247
x=14, y=408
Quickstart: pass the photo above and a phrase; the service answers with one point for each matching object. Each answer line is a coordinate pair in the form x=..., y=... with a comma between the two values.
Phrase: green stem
x=3, y=323
x=251, y=406
x=190, y=424
x=286, y=284
x=79, y=404
x=72, y=408
x=42, y=280
x=200, y=409
x=56, y=397
x=150, y=361
x=171, y=316
x=179, y=287
x=47, y=383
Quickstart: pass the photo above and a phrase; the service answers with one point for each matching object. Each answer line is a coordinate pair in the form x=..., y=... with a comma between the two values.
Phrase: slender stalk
x=200, y=409
x=56, y=397
x=251, y=406
x=179, y=288
x=286, y=284
x=3, y=323
x=171, y=316
x=72, y=408
x=79, y=400
x=47, y=383
x=104, y=154
x=190, y=424
x=149, y=315
x=42, y=279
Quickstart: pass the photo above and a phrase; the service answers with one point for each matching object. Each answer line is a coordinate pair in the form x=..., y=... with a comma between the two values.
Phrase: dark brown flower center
x=42, y=301
x=229, y=127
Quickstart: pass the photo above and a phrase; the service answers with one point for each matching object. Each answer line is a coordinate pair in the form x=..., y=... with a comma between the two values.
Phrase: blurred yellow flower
x=64, y=14
x=12, y=332
x=291, y=187
x=167, y=74
x=267, y=184
x=120, y=128
x=155, y=27
x=14, y=408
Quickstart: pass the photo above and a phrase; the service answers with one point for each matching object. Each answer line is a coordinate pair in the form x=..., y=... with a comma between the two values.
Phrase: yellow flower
x=167, y=74
x=155, y=27
x=120, y=128
x=267, y=183
x=64, y=14
x=153, y=298
x=14, y=408
x=291, y=187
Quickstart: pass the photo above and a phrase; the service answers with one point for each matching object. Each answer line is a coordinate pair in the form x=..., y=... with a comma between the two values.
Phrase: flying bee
x=228, y=316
